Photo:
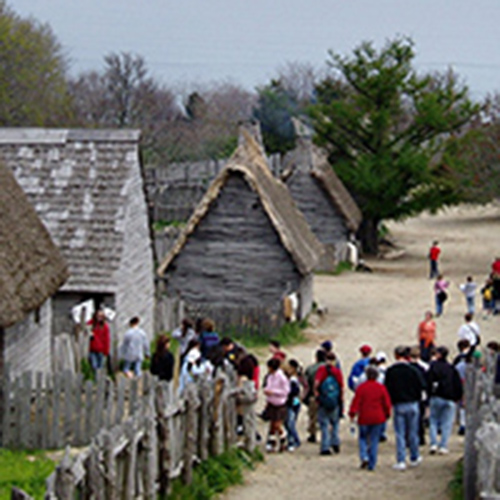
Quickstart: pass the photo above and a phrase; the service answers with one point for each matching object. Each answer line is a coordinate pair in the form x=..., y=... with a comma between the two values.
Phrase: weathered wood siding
x=27, y=344
x=306, y=296
x=321, y=214
x=135, y=291
x=234, y=257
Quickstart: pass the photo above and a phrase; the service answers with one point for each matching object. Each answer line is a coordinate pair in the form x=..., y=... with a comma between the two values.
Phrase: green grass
x=288, y=334
x=216, y=475
x=162, y=224
x=25, y=470
x=455, y=486
x=340, y=268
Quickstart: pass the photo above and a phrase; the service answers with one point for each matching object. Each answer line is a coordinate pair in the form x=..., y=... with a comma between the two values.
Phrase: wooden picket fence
x=50, y=411
x=481, y=477
x=161, y=439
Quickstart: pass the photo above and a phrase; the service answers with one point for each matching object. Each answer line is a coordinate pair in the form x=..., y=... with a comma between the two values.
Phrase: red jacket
x=371, y=403
x=100, y=340
x=434, y=253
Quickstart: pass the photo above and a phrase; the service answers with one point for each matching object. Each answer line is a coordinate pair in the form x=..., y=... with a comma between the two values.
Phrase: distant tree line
x=401, y=141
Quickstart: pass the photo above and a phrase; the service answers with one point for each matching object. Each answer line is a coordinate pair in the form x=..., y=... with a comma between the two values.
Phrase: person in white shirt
x=134, y=349
x=470, y=331
x=469, y=290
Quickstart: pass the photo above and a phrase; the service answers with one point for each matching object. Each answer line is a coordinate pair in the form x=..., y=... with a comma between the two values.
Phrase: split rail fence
x=481, y=476
x=159, y=437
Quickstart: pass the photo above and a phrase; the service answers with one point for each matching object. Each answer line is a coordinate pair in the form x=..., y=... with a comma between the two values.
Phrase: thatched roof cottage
x=328, y=207
x=31, y=271
x=87, y=188
x=246, y=246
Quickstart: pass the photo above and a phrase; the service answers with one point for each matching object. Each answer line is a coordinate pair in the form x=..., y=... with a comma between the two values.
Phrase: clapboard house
x=31, y=271
x=328, y=207
x=87, y=188
x=246, y=246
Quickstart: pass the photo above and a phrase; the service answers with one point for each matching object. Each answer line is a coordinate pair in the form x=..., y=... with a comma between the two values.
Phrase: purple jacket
x=280, y=385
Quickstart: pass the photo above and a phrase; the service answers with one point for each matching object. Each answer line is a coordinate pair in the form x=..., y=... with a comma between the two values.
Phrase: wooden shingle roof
x=78, y=182
x=31, y=267
x=293, y=231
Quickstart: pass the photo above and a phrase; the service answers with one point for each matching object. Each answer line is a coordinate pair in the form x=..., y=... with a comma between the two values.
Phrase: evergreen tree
x=384, y=126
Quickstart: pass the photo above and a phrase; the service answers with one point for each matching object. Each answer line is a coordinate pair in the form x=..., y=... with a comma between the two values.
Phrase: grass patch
x=288, y=334
x=162, y=224
x=456, y=485
x=25, y=470
x=340, y=268
x=216, y=475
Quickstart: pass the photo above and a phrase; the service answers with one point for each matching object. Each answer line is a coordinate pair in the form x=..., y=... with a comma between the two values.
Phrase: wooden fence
x=162, y=439
x=482, y=439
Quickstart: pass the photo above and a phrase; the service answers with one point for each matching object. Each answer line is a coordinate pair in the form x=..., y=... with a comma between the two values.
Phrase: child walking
x=293, y=404
x=276, y=391
x=469, y=290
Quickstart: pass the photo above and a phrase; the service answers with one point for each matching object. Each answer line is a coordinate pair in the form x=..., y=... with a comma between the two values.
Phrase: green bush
x=24, y=470
x=216, y=475
x=455, y=486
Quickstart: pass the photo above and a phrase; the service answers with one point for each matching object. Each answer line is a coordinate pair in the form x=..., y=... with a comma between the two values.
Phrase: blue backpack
x=329, y=392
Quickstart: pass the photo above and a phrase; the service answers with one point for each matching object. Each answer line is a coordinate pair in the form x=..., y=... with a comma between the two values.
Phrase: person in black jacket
x=163, y=360
x=405, y=385
x=445, y=389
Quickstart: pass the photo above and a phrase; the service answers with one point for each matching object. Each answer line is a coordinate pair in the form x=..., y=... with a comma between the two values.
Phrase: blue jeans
x=96, y=360
x=406, y=417
x=439, y=306
x=471, y=307
x=434, y=271
x=442, y=414
x=133, y=366
x=291, y=425
x=329, y=425
x=368, y=439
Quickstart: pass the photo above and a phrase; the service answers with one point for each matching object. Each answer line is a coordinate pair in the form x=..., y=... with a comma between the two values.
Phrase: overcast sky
x=246, y=41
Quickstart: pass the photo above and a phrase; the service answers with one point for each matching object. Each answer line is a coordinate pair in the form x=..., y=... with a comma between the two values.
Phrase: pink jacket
x=280, y=385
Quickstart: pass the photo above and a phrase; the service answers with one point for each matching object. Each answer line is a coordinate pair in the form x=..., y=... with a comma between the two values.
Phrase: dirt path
x=384, y=309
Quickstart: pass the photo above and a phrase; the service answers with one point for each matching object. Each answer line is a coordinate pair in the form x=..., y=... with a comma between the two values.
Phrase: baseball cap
x=365, y=349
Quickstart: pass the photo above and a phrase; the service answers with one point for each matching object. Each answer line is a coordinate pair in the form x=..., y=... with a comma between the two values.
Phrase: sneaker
x=383, y=439
x=416, y=462
x=336, y=448
x=239, y=430
x=325, y=452
x=399, y=466
x=311, y=439
x=269, y=447
x=443, y=451
x=461, y=431
x=433, y=449
x=364, y=464
x=291, y=449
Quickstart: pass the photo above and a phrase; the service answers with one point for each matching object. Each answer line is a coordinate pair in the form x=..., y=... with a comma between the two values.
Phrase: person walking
x=469, y=290
x=434, y=253
x=328, y=388
x=372, y=406
x=163, y=361
x=470, y=331
x=184, y=334
x=310, y=399
x=100, y=341
x=359, y=367
x=276, y=391
x=440, y=293
x=405, y=386
x=293, y=404
x=134, y=349
x=426, y=336
x=446, y=390
x=488, y=300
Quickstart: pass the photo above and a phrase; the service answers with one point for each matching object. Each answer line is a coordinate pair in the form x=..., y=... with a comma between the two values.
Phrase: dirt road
x=383, y=309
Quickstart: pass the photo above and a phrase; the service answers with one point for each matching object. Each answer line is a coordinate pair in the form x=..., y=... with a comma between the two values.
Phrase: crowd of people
x=421, y=390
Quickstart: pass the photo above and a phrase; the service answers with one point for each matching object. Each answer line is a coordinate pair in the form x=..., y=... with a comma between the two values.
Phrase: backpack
x=329, y=391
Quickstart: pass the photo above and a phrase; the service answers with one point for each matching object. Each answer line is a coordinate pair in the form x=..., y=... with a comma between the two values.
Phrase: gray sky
x=246, y=41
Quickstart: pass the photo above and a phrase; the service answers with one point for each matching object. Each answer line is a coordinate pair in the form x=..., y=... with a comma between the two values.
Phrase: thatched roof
x=290, y=224
x=79, y=182
x=341, y=198
x=31, y=267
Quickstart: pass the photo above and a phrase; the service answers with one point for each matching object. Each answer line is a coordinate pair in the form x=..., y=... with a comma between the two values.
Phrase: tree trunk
x=368, y=235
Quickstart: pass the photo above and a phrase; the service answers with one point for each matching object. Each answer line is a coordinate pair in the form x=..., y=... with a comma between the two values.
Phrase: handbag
x=442, y=296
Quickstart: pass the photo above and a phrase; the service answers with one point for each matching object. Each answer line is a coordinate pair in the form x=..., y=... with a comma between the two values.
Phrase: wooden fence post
x=472, y=399
x=17, y=494
x=163, y=439
x=247, y=400
x=204, y=421
x=192, y=404
x=217, y=445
